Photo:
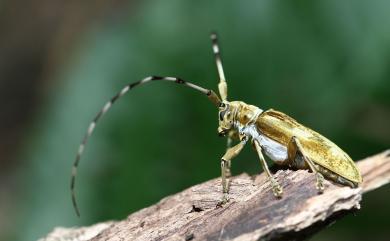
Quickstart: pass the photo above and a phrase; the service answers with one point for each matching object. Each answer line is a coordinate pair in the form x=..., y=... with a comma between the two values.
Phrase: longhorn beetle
x=271, y=132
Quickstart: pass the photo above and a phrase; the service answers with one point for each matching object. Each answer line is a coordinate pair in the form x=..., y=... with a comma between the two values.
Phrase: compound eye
x=222, y=113
x=221, y=116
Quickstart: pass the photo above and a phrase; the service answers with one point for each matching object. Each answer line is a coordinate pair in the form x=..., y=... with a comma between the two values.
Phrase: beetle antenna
x=222, y=86
x=209, y=93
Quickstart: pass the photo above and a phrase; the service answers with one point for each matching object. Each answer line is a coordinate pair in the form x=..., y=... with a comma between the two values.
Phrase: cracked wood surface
x=253, y=213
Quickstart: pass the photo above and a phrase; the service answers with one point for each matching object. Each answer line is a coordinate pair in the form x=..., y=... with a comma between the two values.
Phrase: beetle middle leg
x=294, y=146
x=276, y=188
x=225, y=167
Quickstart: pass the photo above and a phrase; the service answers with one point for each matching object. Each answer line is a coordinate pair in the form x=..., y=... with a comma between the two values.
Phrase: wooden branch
x=252, y=214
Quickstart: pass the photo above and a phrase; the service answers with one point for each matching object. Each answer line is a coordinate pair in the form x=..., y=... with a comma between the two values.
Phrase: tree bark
x=253, y=213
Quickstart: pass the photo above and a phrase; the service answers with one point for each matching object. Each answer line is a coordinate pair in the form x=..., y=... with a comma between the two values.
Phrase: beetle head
x=226, y=117
x=234, y=114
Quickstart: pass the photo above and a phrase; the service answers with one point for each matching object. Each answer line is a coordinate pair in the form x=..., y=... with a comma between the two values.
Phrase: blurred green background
x=325, y=63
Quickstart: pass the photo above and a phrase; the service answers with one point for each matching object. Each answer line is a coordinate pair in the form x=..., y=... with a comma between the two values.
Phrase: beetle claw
x=225, y=199
x=276, y=188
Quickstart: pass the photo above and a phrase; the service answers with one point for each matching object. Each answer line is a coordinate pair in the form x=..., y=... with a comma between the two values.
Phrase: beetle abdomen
x=273, y=149
x=281, y=128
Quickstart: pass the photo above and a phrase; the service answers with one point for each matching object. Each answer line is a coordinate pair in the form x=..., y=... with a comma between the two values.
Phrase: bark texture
x=253, y=213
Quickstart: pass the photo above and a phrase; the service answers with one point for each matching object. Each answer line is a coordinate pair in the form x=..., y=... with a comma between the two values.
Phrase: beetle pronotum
x=271, y=132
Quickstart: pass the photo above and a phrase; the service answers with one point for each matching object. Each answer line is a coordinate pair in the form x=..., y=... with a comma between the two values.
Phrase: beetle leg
x=229, y=162
x=276, y=188
x=225, y=163
x=294, y=146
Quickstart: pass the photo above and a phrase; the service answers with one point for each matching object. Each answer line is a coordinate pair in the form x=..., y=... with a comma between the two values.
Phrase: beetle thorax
x=246, y=114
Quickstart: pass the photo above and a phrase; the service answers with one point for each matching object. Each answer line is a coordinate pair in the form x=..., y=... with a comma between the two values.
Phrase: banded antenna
x=222, y=85
x=209, y=93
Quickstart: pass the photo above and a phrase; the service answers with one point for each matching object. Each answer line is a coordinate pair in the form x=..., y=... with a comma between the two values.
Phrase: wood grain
x=253, y=213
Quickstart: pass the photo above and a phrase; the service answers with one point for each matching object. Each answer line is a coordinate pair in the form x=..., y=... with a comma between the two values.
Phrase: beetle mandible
x=273, y=133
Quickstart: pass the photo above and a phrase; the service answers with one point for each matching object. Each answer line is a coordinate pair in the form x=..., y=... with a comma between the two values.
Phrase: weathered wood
x=253, y=213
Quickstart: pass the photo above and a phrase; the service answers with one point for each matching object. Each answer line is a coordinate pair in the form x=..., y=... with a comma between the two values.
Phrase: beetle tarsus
x=225, y=199
x=276, y=188
x=320, y=182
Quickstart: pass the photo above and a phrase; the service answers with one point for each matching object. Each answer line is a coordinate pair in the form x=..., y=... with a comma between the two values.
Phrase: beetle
x=275, y=134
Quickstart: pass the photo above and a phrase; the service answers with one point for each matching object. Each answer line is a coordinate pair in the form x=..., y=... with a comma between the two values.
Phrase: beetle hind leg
x=295, y=147
x=335, y=177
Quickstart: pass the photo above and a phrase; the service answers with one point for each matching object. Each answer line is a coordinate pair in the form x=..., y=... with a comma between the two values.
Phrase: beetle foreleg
x=293, y=147
x=276, y=188
x=225, y=165
x=228, y=163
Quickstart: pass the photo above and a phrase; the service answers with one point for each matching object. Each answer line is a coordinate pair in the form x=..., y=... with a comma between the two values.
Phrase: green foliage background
x=325, y=63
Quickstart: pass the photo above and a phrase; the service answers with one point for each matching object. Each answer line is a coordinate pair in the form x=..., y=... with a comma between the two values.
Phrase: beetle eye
x=221, y=116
